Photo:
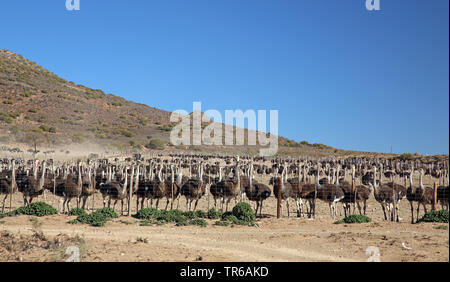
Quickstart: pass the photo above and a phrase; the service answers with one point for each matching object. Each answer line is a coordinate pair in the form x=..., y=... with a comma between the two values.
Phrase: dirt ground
x=24, y=238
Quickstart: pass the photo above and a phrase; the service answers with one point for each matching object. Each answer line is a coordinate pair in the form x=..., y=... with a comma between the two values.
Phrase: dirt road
x=274, y=240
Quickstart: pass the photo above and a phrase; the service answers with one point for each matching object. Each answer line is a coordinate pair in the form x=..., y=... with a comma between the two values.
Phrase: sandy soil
x=286, y=239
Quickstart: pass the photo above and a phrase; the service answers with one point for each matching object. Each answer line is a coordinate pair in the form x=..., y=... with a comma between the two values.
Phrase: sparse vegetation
x=156, y=144
x=354, y=218
x=97, y=218
x=36, y=209
x=436, y=216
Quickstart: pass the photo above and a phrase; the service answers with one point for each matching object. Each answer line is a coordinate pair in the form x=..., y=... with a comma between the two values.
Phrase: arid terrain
x=24, y=238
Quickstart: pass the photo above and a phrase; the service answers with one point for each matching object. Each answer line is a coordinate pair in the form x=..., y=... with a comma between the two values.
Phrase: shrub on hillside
x=156, y=144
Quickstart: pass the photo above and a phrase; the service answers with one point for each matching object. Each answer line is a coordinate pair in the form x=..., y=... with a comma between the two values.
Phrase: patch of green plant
x=156, y=144
x=213, y=214
x=354, y=218
x=109, y=213
x=160, y=222
x=201, y=214
x=171, y=216
x=442, y=227
x=199, y=221
x=234, y=220
x=145, y=213
x=222, y=223
x=189, y=214
x=243, y=211
x=77, y=211
x=97, y=218
x=145, y=223
x=226, y=214
x=153, y=215
x=435, y=216
x=73, y=221
x=126, y=222
x=94, y=219
x=36, y=209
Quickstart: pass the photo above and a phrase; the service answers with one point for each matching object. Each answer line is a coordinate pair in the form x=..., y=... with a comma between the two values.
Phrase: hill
x=38, y=109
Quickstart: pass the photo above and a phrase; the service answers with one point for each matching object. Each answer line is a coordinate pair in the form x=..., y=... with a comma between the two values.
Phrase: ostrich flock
x=349, y=182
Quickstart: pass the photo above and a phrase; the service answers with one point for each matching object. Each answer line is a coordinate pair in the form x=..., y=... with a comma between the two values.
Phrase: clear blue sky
x=337, y=73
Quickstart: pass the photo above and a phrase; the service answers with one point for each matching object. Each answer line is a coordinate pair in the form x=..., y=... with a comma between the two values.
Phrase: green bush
x=222, y=223
x=97, y=218
x=435, y=216
x=36, y=209
x=165, y=216
x=169, y=216
x=182, y=223
x=354, y=218
x=189, y=214
x=109, y=213
x=243, y=211
x=213, y=214
x=201, y=214
x=156, y=144
x=234, y=220
x=145, y=223
x=199, y=222
x=77, y=211
x=146, y=213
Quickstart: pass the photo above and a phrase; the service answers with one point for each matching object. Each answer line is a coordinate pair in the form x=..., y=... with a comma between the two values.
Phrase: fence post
x=279, y=197
x=434, y=196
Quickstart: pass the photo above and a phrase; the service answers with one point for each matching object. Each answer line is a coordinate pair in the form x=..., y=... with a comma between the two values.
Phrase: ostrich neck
x=421, y=180
x=13, y=174
x=413, y=189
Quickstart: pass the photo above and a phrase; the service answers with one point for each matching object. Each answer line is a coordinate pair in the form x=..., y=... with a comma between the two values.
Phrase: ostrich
x=384, y=195
x=229, y=188
x=157, y=188
x=443, y=193
x=88, y=189
x=256, y=192
x=297, y=189
x=362, y=194
x=194, y=189
x=30, y=186
x=413, y=194
x=8, y=187
x=286, y=189
x=330, y=193
x=426, y=194
x=308, y=192
x=118, y=191
x=73, y=189
x=349, y=193
x=216, y=189
x=399, y=190
x=172, y=188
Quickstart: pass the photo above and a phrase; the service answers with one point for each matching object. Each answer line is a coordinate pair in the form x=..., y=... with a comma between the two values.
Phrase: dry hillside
x=38, y=108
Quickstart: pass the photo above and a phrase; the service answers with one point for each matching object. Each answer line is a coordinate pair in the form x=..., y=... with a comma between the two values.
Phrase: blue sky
x=337, y=73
